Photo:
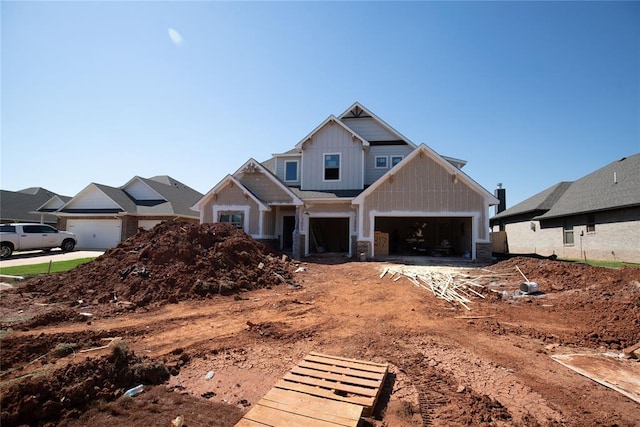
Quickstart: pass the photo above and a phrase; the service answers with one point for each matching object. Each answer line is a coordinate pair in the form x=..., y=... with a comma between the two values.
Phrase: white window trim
x=339, y=167
x=386, y=162
x=297, y=162
x=218, y=209
x=391, y=160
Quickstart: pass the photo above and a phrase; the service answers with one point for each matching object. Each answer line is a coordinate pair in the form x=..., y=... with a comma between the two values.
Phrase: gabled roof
x=422, y=148
x=17, y=206
x=330, y=119
x=358, y=110
x=175, y=199
x=228, y=180
x=616, y=185
x=543, y=201
x=252, y=164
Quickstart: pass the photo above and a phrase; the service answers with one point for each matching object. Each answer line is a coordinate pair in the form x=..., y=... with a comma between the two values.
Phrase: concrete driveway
x=41, y=257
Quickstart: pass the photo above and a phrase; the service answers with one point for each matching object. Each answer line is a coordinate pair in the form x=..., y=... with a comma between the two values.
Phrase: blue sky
x=529, y=93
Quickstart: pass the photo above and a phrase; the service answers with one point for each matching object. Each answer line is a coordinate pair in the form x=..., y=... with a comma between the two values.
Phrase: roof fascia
x=331, y=118
x=227, y=180
x=274, y=179
x=422, y=148
x=379, y=120
x=91, y=187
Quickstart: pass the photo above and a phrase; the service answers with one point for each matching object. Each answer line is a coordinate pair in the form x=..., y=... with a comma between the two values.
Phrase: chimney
x=501, y=194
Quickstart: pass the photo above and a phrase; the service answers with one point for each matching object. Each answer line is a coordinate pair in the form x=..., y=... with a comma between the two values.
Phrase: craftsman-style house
x=356, y=186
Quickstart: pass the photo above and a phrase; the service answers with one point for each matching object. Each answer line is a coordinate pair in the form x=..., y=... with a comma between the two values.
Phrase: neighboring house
x=595, y=217
x=350, y=180
x=21, y=206
x=103, y=216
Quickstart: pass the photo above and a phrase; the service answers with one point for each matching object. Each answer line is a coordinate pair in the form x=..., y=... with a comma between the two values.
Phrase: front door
x=288, y=225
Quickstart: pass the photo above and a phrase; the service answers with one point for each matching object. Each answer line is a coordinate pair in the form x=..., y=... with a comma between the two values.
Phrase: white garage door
x=95, y=233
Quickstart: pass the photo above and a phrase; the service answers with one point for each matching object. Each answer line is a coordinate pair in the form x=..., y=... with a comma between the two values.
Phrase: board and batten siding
x=264, y=188
x=280, y=168
x=369, y=129
x=371, y=173
x=141, y=191
x=228, y=200
x=332, y=138
x=424, y=186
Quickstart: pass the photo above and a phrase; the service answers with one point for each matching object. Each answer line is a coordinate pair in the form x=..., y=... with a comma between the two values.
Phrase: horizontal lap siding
x=332, y=138
x=264, y=188
x=423, y=185
x=369, y=129
x=280, y=168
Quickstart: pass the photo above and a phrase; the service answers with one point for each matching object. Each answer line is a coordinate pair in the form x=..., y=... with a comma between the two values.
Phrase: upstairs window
x=591, y=223
x=332, y=167
x=291, y=170
x=381, y=162
x=395, y=160
x=236, y=218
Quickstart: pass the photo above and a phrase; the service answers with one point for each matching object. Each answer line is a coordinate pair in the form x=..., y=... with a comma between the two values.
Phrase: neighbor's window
x=332, y=167
x=591, y=223
x=568, y=234
x=291, y=170
x=395, y=160
x=237, y=219
x=381, y=162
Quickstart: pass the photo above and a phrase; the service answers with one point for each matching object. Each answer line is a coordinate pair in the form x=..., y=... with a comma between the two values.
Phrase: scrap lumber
x=442, y=284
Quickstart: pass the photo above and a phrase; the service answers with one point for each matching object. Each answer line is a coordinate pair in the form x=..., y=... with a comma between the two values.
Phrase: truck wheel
x=68, y=245
x=6, y=250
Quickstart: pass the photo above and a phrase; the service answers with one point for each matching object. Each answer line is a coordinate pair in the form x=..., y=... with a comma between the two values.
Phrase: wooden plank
x=345, y=363
x=301, y=400
x=313, y=411
x=338, y=370
x=345, y=359
x=331, y=385
x=249, y=423
x=323, y=392
x=341, y=378
x=275, y=417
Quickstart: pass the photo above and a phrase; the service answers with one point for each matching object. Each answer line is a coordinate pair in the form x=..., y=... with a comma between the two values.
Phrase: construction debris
x=456, y=289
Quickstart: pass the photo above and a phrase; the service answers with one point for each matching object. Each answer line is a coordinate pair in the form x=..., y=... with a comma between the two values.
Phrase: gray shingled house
x=595, y=217
x=103, y=216
x=21, y=206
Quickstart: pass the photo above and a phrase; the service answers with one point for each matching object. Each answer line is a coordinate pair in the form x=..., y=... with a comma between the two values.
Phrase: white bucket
x=529, y=287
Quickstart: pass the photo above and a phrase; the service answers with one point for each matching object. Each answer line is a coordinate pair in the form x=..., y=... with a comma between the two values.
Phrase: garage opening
x=328, y=235
x=433, y=236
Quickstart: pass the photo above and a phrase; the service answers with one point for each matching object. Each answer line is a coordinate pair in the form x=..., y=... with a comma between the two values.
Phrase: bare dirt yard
x=209, y=321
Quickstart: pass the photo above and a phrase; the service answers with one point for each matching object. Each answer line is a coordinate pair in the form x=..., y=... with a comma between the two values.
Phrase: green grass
x=38, y=269
x=608, y=264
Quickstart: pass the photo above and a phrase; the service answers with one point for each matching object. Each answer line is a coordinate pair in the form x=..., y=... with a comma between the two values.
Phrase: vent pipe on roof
x=615, y=177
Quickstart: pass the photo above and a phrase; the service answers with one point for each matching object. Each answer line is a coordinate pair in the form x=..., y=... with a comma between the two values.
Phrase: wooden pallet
x=321, y=391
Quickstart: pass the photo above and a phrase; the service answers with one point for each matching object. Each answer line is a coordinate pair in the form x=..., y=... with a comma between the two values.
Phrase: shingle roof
x=329, y=194
x=540, y=202
x=17, y=205
x=179, y=196
x=616, y=185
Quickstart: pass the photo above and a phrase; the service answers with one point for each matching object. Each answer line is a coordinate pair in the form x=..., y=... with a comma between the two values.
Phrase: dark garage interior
x=328, y=235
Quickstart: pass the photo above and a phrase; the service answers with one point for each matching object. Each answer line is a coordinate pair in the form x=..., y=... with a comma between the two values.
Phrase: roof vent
x=615, y=177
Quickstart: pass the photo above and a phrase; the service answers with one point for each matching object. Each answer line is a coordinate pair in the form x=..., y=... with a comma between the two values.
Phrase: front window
x=568, y=234
x=291, y=170
x=237, y=219
x=332, y=167
x=395, y=160
x=381, y=162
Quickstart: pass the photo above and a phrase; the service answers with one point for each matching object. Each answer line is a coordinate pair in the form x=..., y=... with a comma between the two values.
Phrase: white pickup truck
x=26, y=237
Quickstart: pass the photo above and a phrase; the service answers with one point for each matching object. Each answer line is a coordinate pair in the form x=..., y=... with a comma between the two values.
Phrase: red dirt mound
x=606, y=299
x=173, y=261
x=69, y=390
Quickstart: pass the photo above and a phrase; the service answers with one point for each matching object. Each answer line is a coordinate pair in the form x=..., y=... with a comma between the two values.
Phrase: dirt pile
x=174, y=261
x=607, y=300
x=70, y=390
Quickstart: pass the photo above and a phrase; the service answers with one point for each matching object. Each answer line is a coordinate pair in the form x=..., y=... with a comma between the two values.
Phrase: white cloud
x=175, y=37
